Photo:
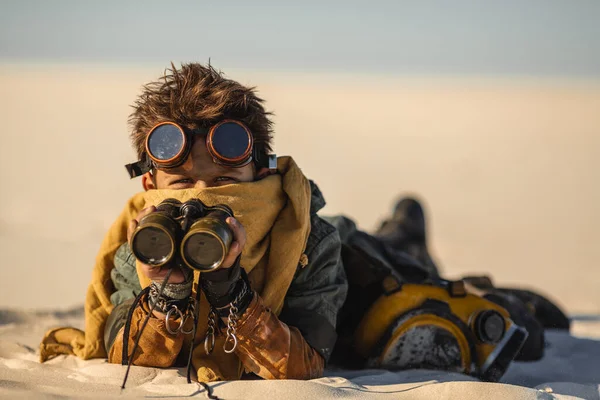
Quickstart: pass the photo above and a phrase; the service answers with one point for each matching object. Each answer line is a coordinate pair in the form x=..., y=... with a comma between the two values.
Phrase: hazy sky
x=533, y=37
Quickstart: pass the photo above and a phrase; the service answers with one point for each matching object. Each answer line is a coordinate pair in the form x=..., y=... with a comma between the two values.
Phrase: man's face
x=199, y=171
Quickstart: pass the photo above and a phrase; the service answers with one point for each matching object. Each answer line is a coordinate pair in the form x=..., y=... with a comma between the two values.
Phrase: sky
x=510, y=37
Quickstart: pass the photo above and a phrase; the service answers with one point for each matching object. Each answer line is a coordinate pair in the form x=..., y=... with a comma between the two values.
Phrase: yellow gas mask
x=438, y=325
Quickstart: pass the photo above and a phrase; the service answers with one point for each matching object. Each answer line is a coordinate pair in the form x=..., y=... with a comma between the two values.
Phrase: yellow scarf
x=275, y=213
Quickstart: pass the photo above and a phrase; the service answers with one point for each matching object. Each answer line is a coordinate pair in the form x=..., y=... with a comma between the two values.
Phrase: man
x=286, y=307
x=274, y=307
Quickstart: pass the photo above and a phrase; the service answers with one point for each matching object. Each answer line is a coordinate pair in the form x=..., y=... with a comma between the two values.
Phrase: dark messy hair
x=197, y=96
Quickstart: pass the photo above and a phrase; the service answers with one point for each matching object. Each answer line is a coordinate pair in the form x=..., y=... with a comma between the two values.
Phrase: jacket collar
x=317, y=201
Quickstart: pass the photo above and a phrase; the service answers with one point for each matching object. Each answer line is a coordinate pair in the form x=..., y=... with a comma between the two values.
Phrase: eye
x=225, y=179
x=181, y=182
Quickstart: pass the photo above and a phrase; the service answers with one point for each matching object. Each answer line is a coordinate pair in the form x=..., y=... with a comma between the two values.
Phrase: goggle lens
x=231, y=142
x=165, y=142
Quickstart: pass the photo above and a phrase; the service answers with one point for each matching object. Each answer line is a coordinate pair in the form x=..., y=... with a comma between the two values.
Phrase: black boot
x=405, y=231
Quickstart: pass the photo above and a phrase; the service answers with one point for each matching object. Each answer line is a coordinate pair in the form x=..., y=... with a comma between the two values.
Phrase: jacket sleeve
x=273, y=350
x=318, y=291
x=297, y=344
x=156, y=348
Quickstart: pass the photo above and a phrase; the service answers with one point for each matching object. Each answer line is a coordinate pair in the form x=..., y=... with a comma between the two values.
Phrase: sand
x=569, y=368
x=507, y=167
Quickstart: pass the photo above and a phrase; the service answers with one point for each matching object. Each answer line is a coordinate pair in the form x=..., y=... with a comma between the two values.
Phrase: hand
x=154, y=273
x=238, y=243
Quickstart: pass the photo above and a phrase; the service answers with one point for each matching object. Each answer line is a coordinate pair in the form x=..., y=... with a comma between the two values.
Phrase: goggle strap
x=272, y=162
x=264, y=160
x=138, y=168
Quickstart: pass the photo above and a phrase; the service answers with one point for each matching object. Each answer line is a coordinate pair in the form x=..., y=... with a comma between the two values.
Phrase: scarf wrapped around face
x=275, y=214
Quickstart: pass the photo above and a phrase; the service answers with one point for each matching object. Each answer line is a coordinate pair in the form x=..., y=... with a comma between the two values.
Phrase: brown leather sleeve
x=273, y=350
x=157, y=347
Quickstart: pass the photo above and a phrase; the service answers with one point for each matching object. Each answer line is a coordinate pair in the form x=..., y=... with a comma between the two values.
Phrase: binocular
x=191, y=233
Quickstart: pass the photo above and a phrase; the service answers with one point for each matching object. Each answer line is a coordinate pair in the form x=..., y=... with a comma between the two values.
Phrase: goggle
x=228, y=142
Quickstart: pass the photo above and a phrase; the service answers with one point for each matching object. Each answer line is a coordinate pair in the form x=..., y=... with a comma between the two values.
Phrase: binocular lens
x=203, y=250
x=165, y=142
x=152, y=246
x=208, y=240
x=231, y=141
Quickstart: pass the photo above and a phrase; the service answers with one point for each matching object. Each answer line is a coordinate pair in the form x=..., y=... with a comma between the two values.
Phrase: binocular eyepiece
x=191, y=232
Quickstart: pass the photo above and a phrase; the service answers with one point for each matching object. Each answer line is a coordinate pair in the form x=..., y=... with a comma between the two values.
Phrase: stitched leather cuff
x=220, y=287
x=223, y=290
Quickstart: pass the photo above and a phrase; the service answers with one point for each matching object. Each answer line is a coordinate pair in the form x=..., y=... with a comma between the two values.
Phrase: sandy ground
x=568, y=370
x=508, y=169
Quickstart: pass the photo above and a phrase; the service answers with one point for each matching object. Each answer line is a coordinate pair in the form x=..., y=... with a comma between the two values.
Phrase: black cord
x=139, y=335
x=209, y=392
x=196, y=317
x=125, y=350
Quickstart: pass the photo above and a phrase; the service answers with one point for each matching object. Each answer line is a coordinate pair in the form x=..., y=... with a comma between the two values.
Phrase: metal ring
x=187, y=317
x=207, y=349
x=168, y=316
x=234, y=344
